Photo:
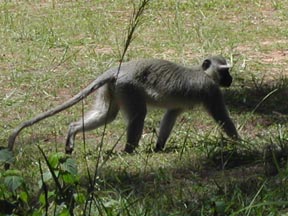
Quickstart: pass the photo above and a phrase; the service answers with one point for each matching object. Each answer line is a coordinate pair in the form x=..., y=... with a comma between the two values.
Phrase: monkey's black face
x=225, y=78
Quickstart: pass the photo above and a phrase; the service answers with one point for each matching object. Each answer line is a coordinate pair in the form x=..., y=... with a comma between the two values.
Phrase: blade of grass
x=44, y=187
x=58, y=185
x=257, y=106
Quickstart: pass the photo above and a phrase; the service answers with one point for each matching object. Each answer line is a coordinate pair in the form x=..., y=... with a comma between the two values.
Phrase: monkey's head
x=217, y=68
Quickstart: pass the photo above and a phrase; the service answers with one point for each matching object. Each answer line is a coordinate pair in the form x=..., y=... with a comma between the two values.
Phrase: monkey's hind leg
x=133, y=105
x=104, y=111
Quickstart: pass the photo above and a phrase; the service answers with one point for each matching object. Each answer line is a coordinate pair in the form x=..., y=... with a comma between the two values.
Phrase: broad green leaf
x=6, y=156
x=13, y=182
x=69, y=178
x=37, y=213
x=47, y=176
x=42, y=199
x=64, y=212
x=54, y=159
x=70, y=166
x=79, y=198
x=24, y=196
x=12, y=172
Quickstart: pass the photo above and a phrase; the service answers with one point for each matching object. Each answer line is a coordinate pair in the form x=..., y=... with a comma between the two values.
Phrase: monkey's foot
x=6, y=166
x=157, y=149
x=68, y=150
x=129, y=148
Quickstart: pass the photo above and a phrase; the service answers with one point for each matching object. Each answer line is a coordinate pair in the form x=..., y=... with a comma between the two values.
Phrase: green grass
x=51, y=50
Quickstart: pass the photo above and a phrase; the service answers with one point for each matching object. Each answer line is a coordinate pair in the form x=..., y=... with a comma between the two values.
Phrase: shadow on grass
x=236, y=165
x=186, y=187
x=251, y=97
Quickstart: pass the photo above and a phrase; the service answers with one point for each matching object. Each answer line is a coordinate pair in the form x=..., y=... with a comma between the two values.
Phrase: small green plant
x=13, y=192
x=57, y=187
x=63, y=173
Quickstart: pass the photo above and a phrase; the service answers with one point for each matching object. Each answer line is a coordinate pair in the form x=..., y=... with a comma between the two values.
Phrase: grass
x=51, y=50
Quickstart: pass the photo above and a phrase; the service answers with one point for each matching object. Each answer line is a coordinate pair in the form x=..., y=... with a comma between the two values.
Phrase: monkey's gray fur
x=149, y=82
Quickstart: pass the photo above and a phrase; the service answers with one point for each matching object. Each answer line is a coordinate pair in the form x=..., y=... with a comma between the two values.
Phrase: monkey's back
x=164, y=83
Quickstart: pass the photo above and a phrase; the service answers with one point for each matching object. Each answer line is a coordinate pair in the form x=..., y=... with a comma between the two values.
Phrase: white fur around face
x=227, y=66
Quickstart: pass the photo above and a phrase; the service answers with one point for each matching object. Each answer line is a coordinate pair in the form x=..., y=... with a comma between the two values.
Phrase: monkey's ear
x=206, y=64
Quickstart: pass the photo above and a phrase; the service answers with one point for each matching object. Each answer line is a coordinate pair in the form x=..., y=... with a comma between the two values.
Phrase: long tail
x=72, y=101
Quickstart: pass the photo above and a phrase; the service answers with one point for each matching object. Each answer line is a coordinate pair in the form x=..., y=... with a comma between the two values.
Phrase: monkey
x=149, y=82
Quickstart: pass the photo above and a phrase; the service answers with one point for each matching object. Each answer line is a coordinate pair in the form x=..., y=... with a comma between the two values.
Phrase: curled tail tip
x=11, y=141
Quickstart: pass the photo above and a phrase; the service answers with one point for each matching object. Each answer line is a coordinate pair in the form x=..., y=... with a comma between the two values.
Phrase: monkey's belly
x=170, y=103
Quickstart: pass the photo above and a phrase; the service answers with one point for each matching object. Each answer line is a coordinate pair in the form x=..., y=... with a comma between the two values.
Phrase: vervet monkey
x=151, y=82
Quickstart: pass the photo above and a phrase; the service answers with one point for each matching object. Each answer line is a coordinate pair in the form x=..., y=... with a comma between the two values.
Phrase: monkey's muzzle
x=226, y=82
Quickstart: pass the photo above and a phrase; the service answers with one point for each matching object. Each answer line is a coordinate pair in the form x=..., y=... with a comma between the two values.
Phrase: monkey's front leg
x=166, y=127
x=216, y=107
